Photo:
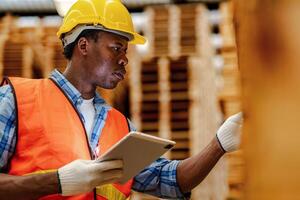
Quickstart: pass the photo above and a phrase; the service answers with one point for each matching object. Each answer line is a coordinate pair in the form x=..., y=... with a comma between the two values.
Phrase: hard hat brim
x=138, y=39
x=133, y=38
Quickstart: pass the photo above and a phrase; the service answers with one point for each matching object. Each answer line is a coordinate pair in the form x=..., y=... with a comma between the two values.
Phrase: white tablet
x=137, y=150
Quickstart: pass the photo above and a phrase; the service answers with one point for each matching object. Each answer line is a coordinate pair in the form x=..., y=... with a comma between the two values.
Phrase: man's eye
x=116, y=48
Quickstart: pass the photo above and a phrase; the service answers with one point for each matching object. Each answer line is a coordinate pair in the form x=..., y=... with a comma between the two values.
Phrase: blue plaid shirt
x=159, y=179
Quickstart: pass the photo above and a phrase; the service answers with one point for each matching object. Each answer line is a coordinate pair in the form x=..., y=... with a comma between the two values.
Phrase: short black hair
x=89, y=34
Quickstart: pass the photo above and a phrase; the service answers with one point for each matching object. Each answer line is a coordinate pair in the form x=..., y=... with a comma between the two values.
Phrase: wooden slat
x=135, y=90
x=164, y=99
x=204, y=121
x=177, y=135
x=226, y=26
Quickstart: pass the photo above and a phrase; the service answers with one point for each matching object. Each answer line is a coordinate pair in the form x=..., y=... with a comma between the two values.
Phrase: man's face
x=106, y=60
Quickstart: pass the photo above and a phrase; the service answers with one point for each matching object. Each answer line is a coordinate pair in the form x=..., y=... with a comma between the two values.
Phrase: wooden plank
x=179, y=125
x=203, y=32
x=204, y=121
x=152, y=87
x=164, y=100
x=157, y=31
x=179, y=103
x=268, y=50
x=150, y=116
x=179, y=96
x=188, y=30
x=177, y=135
x=226, y=27
x=27, y=58
x=174, y=31
x=150, y=106
x=135, y=88
x=150, y=125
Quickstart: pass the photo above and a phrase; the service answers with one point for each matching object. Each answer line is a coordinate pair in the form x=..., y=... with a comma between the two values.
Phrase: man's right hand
x=81, y=176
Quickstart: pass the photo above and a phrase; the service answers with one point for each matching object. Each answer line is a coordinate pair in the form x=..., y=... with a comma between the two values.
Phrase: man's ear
x=82, y=45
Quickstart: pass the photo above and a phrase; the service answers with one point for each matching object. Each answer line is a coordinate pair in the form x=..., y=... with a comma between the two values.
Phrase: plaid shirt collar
x=73, y=94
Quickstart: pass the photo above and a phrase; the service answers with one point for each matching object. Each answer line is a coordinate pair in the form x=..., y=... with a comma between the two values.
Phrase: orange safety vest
x=50, y=134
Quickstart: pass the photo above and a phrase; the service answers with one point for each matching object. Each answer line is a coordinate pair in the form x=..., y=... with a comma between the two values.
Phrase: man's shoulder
x=6, y=91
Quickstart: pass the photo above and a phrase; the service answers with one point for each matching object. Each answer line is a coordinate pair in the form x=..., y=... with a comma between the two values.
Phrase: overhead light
x=135, y=3
x=27, y=6
x=62, y=6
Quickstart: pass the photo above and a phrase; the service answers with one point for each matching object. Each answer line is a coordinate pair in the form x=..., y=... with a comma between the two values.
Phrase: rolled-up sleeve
x=159, y=179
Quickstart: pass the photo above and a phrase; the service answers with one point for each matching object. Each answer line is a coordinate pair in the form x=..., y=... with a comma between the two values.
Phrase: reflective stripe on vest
x=56, y=132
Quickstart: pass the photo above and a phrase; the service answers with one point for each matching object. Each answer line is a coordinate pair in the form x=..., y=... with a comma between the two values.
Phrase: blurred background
x=181, y=85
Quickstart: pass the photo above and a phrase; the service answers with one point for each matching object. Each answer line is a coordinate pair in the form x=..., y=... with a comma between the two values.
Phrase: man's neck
x=79, y=81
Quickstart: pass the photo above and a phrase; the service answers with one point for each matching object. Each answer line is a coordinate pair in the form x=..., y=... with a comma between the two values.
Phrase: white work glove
x=81, y=176
x=230, y=132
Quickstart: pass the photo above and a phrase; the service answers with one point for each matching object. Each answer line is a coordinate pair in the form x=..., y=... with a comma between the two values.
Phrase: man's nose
x=123, y=60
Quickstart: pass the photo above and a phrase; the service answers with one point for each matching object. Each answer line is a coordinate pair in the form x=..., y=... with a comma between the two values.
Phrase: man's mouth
x=119, y=75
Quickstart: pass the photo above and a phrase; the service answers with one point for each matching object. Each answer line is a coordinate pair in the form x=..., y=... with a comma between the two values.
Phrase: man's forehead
x=115, y=37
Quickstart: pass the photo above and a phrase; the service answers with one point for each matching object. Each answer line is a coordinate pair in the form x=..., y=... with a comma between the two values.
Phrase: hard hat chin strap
x=72, y=36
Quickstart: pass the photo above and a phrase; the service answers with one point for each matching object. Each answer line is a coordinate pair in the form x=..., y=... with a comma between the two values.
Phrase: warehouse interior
x=204, y=60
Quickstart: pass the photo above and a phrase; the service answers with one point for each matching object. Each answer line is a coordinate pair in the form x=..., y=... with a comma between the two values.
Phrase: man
x=52, y=129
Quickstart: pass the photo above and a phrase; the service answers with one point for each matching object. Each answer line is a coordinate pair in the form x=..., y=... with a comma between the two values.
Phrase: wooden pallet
x=157, y=31
x=178, y=30
x=28, y=52
x=179, y=107
x=17, y=59
x=230, y=95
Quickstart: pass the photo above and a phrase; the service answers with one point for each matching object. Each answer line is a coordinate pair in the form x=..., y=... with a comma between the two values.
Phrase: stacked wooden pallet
x=29, y=51
x=150, y=97
x=230, y=96
x=157, y=31
x=180, y=32
x=13, y=58
x=17, y=53
x=161, y=97
x=179, y=107
x=176, y=30
x=188, y=29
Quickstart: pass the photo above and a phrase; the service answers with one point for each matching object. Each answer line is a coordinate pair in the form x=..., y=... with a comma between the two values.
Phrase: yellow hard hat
x=107, y=15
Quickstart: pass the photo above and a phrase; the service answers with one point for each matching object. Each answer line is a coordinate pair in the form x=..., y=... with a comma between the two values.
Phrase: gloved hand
x=81, y=176
x=230, y=132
